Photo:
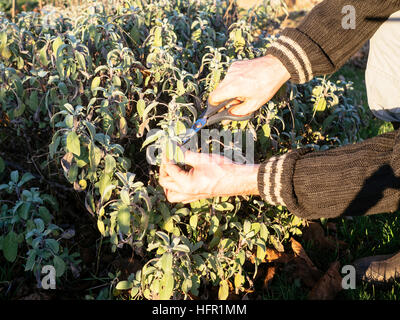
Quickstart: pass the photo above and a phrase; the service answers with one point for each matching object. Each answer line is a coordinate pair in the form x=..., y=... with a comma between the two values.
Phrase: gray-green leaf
x=59, y=265
x=10, y=246
x=124, y=220
x=73, y=143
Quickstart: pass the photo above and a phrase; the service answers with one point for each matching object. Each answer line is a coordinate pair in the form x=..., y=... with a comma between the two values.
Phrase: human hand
x=253, y=82
x=211, y=175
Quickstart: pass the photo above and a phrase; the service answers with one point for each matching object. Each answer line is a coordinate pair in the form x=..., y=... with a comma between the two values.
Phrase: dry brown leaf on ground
x=299, y=269
x=331, y=226
x=273, y=255
x=303, y=267
x=299, y=251
x=269, y=276
x=329, y=285
x=315, y=234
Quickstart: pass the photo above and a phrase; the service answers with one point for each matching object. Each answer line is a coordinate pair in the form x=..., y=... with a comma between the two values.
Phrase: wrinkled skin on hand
x=254, y=82
x=210, y=176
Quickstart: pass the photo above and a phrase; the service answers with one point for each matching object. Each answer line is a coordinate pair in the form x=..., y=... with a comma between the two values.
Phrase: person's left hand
x=211, y=175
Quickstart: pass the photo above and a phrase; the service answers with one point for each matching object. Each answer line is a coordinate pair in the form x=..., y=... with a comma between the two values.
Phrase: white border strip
x=292, y=58
x=278, y=183
x=267, y=179
x=301, y=52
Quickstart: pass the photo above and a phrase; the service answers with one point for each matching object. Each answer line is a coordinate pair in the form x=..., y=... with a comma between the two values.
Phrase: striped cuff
x=300, y=55
x=270, y=180
x=275, y=180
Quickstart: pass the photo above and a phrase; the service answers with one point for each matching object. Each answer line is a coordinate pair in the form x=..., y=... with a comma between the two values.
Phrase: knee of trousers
x=382, y=75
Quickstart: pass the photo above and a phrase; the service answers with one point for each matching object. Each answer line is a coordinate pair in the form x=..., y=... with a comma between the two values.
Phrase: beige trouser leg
x=382, y=75
x=382, y=79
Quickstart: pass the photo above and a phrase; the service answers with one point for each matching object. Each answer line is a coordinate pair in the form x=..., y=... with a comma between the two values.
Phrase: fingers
x=194, y=159
x=176, y=172
x=245, y=108
x=177, y=197
x=170, y=184
x=163, y=172
x=227, y=89
x=187, y=186
x=202, y=162
x=232, y=86
x=169, y=168
x=173, y=196
x=173, y=177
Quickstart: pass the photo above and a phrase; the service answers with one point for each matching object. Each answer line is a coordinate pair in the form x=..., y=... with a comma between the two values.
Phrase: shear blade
x=196, y=127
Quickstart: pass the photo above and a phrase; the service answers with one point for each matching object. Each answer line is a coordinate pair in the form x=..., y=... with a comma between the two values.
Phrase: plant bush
x=26, y=222
x=93, y=87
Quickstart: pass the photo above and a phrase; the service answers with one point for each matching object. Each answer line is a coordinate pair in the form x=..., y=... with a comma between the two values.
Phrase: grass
x=366, y=236
x=283, y=288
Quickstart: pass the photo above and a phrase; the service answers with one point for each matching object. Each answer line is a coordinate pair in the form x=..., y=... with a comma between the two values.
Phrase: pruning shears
x=214, y=114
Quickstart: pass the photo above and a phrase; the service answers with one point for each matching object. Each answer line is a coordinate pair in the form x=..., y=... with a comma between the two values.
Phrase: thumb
x=193, y=159
x=197, y=159
x=223, y=92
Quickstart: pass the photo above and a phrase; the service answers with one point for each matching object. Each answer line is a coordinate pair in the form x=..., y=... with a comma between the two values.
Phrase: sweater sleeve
x=320, y=45
x=357, y=179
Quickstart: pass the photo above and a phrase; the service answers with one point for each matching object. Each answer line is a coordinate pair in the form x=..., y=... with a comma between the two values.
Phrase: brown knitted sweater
x=359, y=179
x=320, y=45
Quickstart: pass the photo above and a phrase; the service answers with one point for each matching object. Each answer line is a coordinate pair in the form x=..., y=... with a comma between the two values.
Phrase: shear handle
x=226, y=115
x=213, y=115
x=211, y=110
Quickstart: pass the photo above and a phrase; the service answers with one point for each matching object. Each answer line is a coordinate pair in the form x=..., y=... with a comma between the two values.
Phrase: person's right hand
x=253, y=82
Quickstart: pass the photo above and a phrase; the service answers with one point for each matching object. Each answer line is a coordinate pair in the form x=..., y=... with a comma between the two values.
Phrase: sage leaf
x=73, y=143
x=10, y=246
